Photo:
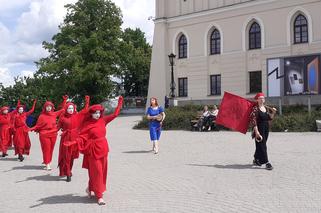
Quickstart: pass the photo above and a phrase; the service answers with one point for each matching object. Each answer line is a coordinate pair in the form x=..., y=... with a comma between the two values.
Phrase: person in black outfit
x=259, y=119
x=166, y=101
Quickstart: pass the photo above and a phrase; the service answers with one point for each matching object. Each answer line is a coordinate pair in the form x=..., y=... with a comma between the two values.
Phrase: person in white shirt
x=203, y=120
x=214, y=111
x=211, y=119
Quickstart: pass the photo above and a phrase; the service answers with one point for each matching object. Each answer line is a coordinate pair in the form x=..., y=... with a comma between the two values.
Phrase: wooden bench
x=195, y=120
x=195, y=127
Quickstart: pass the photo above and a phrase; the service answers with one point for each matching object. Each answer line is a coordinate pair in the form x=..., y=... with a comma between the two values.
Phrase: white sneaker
x=48, y=167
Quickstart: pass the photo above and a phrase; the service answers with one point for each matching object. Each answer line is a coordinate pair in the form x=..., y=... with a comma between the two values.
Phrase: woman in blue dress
x=155, y=115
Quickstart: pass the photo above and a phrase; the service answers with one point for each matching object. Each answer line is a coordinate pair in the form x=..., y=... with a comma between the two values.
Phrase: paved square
x=194, y=172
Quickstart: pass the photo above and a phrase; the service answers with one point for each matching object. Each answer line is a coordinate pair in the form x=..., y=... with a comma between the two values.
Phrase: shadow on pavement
x=25, y=167
x=62, y=199
x=8, y=159
x=47, y=177
x=138, y=152
x=231, y=166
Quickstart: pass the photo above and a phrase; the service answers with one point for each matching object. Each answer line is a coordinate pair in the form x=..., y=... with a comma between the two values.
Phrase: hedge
x=294, y=119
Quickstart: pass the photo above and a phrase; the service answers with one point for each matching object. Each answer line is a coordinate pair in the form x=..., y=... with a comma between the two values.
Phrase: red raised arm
x=33, y=108
x=109, y=118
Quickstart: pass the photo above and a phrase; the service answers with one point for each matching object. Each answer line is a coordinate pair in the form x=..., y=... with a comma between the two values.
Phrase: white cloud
x=41, y=21
x=37, y=24
x=27, y=73
x=6, y=78
x=7, y=6
x=5, y=34
x=26, y=53
x=136, y=13
x=4, y=41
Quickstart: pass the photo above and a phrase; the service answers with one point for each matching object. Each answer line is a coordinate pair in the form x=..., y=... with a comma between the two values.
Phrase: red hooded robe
x=47, y=127
x=93, y=144
x=21, y=138
x=6, y=126
x=69, y=124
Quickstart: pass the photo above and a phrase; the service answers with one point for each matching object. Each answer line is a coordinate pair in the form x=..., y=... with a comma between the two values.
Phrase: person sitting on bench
x=211, y=118
x=203, y=119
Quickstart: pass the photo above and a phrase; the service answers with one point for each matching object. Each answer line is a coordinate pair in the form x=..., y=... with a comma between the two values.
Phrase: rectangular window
x=255, y=81
x=215, y=84
x=182, y=87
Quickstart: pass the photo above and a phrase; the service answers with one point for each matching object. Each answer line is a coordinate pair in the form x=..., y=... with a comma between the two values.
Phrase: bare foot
x=101, y=202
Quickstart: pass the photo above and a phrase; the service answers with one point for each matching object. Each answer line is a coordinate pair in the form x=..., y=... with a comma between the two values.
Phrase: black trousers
x=260, y=147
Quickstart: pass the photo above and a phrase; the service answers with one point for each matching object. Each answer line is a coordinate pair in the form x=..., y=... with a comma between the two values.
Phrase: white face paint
x=5, y=111
x=48, y=108
x=70, y=109
x=20, y=110
x=96, y=115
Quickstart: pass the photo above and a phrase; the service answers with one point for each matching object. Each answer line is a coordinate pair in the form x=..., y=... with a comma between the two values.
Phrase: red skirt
x=21, y=141
x=97, y=172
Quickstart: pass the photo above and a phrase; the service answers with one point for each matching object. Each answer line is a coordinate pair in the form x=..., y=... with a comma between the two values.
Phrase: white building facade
x=239, y=46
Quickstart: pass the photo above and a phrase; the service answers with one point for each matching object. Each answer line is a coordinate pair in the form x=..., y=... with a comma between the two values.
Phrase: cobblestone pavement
x=194, y=172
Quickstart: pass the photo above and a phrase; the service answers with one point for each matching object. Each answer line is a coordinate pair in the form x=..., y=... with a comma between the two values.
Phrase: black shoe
x=268, y=166
x=21, y=158
x=256, y=162
x=68, y=178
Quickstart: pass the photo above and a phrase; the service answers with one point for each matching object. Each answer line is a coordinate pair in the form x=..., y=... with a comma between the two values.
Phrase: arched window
x=215, y=42
x=182, y=47
x=300, y=30
x=255, y=36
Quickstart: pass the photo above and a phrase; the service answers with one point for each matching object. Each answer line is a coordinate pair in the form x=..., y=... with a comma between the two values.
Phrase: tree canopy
x=135, y=62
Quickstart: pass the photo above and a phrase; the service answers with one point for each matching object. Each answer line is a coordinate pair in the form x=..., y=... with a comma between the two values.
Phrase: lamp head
x=171, y=58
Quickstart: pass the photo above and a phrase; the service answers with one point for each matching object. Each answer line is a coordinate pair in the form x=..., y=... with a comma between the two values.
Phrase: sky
x=25, y=24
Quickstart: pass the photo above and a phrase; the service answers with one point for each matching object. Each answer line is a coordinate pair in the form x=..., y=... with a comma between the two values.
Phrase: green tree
x=83, y=56
x=135, y=62
x=24, y=88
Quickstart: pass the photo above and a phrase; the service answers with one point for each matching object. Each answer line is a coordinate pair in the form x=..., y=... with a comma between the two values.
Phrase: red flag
x=235, y=112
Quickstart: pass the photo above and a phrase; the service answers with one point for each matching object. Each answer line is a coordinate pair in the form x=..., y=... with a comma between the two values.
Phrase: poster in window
x=313, y=76
x=275, y=78
x=294, y=76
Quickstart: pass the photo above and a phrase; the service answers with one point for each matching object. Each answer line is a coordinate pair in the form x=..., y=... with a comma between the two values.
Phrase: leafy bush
x=296, y=122
x=294, y=119
x=294, y=109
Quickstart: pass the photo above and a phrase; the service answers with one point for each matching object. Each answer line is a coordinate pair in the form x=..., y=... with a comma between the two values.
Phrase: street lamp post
x=173, y=85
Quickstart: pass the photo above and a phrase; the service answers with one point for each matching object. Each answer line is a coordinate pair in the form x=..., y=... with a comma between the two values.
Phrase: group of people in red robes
x=14, y=130
x=82, y=132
